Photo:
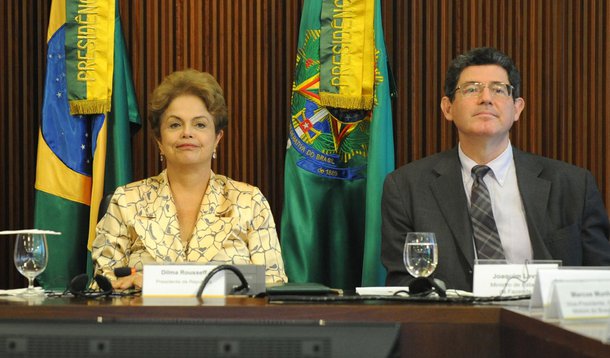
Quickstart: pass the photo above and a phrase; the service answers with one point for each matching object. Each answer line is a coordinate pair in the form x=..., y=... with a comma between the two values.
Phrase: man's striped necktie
x=486, y=237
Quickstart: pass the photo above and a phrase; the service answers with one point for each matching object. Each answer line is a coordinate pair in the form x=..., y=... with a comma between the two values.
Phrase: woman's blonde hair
x=193, y=82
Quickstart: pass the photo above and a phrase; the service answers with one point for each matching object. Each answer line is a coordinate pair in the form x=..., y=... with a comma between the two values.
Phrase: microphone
x=423, y=286
x=243, y=288
x=124, y=271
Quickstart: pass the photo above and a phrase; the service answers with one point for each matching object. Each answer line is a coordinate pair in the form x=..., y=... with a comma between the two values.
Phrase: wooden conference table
x=427, y=329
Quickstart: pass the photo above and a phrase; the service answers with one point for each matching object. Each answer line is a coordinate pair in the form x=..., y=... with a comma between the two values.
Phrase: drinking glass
x=420, y=253
x=31, y=257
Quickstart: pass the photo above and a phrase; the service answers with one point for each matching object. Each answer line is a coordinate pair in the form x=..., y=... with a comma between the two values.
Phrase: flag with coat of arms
x=340, y=147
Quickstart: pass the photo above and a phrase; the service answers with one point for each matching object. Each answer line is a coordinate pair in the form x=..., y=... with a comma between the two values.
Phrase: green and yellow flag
x=338, y=152
x=80, y=157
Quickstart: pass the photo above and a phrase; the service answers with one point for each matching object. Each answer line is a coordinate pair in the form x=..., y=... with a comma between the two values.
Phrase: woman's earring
x=214, y=154
x=162, y=157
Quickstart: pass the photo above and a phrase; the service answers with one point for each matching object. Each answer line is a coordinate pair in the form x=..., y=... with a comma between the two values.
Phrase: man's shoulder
x=427, y=164
x=549, y=166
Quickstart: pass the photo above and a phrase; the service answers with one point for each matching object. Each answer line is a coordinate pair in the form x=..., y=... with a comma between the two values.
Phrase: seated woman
x=187, y=213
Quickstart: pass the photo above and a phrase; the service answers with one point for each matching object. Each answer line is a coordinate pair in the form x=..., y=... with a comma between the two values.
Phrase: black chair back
x=104, y=206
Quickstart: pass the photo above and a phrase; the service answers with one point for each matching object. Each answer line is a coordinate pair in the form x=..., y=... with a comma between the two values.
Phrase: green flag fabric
x=70, y=148
x=380, y=162
x=336, y=162
x=123, y=120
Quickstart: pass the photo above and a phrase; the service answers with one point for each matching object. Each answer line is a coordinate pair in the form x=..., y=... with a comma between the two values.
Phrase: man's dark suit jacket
x=564, y=210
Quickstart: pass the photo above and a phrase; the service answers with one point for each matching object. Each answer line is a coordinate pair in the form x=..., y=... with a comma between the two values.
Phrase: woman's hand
x=123, y=283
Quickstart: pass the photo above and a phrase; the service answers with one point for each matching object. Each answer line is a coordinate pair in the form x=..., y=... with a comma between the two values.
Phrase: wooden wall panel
x=22, y=59
x=561, y=47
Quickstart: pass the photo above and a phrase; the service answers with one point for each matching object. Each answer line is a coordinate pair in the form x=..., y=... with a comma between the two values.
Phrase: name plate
x=541, y=296
x=506, y=279
x=175, y=280
x=577, y=299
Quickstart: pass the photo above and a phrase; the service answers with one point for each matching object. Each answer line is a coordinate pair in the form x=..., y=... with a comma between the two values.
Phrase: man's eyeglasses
x=497, y=89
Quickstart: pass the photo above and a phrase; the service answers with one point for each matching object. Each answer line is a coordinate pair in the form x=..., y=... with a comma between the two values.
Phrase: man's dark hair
x=481, y=56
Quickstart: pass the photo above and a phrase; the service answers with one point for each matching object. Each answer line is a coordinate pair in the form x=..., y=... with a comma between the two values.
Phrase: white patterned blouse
x=235, y=226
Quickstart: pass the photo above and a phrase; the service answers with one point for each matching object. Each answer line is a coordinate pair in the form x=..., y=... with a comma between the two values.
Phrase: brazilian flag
x=80, y=157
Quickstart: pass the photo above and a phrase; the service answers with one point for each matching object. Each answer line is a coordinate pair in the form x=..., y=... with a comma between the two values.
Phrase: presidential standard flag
x=84, y=42
x=340, y=147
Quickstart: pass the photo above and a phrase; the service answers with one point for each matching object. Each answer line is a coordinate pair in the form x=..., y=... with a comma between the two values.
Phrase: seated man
x=484, y=198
